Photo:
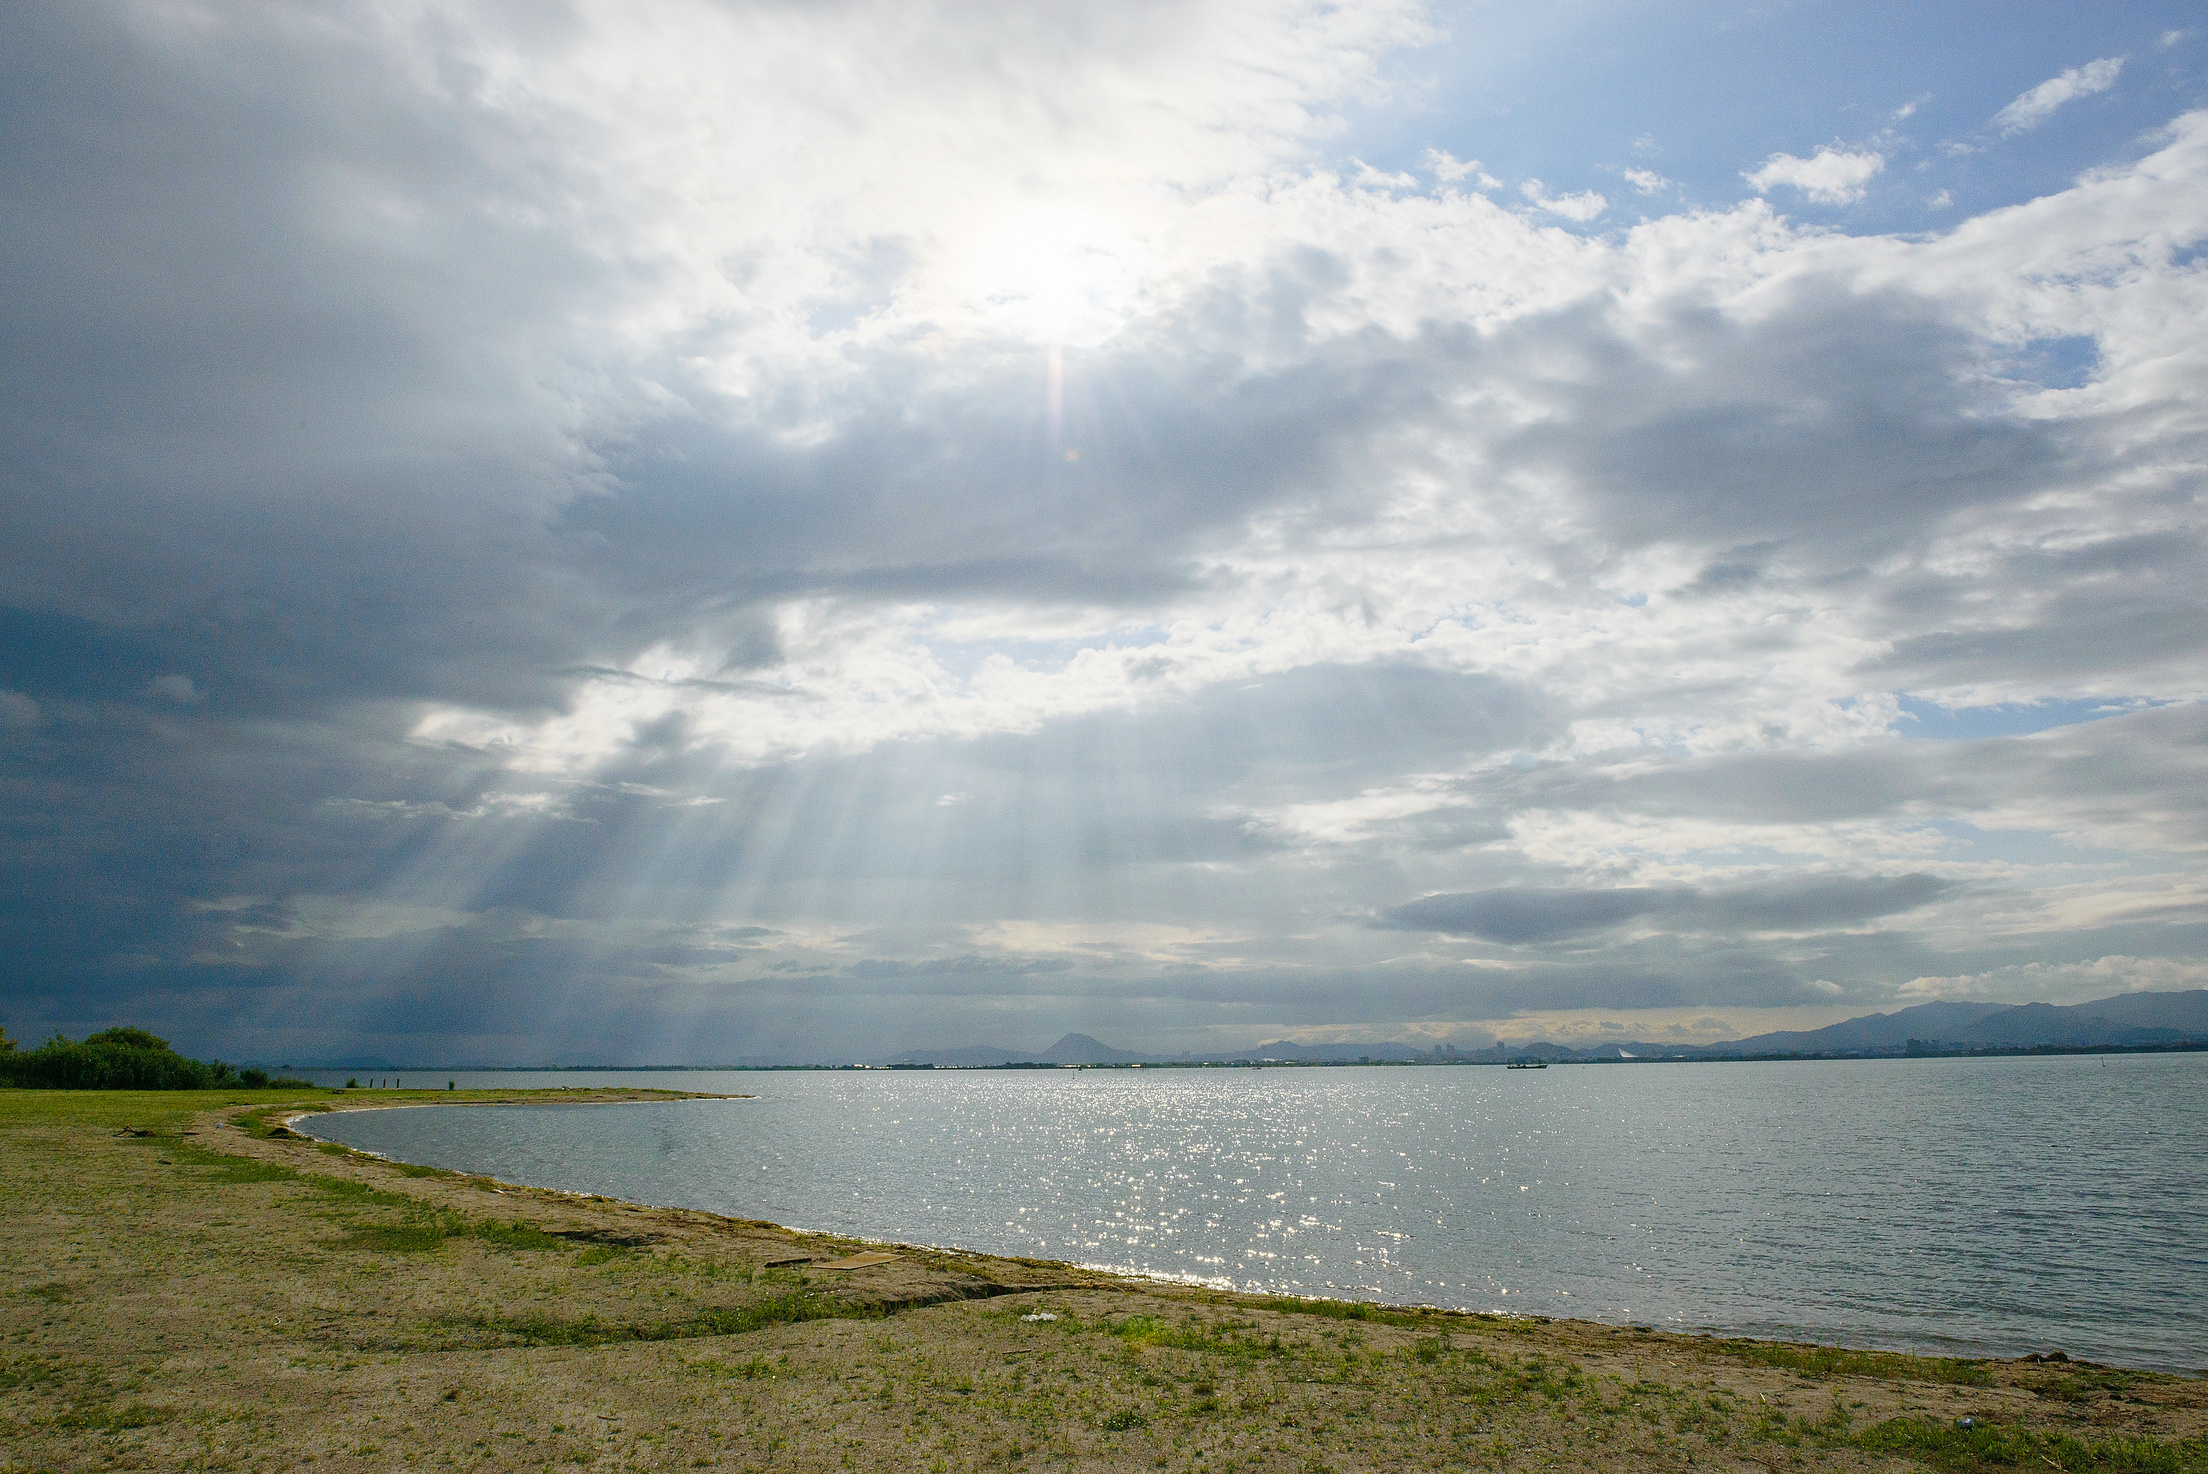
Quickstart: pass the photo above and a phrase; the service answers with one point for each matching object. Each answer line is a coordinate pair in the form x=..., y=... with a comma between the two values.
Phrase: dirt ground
x=190, y=1286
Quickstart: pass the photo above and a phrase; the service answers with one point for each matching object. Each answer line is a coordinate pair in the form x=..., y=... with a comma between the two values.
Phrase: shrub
x=126, y=1059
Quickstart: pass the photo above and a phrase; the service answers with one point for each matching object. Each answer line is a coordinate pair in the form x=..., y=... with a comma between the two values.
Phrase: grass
x=1339, y=1310
x=2000, y=1446
x=1828, y=1361
x=424, y=1230
x=114, y=1418
x=776, y=1310
x=1208, y=1338
x=31, y=1371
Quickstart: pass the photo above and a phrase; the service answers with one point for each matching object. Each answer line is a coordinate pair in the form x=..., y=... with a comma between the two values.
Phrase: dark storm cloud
x=2112, y=781
x=1515, y=916
x=1837, y=427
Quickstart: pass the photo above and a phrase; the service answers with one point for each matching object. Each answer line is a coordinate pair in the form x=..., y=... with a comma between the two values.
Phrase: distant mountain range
x=1080, y=1049
x=2127, y=1019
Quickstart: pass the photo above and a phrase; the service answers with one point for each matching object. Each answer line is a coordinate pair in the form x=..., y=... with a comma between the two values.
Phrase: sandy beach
x=194, y=1286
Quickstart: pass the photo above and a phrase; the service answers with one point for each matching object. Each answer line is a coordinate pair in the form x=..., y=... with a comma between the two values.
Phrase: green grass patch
x=224, y=1168
x=1198, y=1336
x=415, y=1236
x=1336, y=1310
x=2080, y=1382
x=517, y=1235
x=776, y=1310
x=1538, y=1377
x=1999, y=1446
x=32, y=1371
x=239, y=1169
x=421, y=1231
x=113, y=1418
x=360, y=1192
x=1837, y=1361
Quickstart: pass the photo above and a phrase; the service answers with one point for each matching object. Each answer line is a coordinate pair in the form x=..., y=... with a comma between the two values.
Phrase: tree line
x=125, y=1059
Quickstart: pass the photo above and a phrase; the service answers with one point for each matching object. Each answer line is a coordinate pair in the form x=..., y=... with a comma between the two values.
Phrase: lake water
x=1951, y=1205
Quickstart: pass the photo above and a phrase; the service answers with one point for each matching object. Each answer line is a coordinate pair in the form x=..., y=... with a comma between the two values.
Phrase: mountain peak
x=1080, y=1049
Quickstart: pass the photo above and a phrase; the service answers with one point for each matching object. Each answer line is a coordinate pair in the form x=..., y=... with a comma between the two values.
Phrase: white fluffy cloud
x=1582, y=205
x=2069, y=982
x=2036, y=106
x=1831, y=176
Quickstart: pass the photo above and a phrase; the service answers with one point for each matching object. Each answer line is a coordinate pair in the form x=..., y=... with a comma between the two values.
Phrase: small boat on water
x=1527, y=1064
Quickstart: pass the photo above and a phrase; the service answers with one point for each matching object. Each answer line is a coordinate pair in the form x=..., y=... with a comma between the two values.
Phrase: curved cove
x=1959, y=1206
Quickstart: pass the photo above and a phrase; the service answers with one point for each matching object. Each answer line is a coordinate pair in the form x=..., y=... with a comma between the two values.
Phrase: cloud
x=2035, y=107
x=613, y=514
x=2063, y=983
x=1830, y=177
x=175, y=688
x=1519, y=916
x=1582, y=206
x=1647, y=181
x=1450, y=169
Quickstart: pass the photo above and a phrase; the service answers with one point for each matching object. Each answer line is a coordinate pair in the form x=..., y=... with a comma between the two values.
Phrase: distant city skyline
x=704, y=530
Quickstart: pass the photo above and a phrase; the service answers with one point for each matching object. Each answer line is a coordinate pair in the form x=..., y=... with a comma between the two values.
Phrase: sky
x=718, y=530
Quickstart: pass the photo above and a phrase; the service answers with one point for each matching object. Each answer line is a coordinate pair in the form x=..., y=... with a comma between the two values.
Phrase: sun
x=1063, y=274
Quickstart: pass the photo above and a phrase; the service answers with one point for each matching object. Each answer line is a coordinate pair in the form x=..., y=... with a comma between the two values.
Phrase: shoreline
x=199, y=1282
x=1833, y=1339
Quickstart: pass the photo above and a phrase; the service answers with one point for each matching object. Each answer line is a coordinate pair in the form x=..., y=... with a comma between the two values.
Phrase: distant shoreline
x=2183, y=1046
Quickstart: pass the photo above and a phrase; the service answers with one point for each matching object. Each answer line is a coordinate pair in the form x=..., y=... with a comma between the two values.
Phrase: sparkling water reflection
x=1968, y=1205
